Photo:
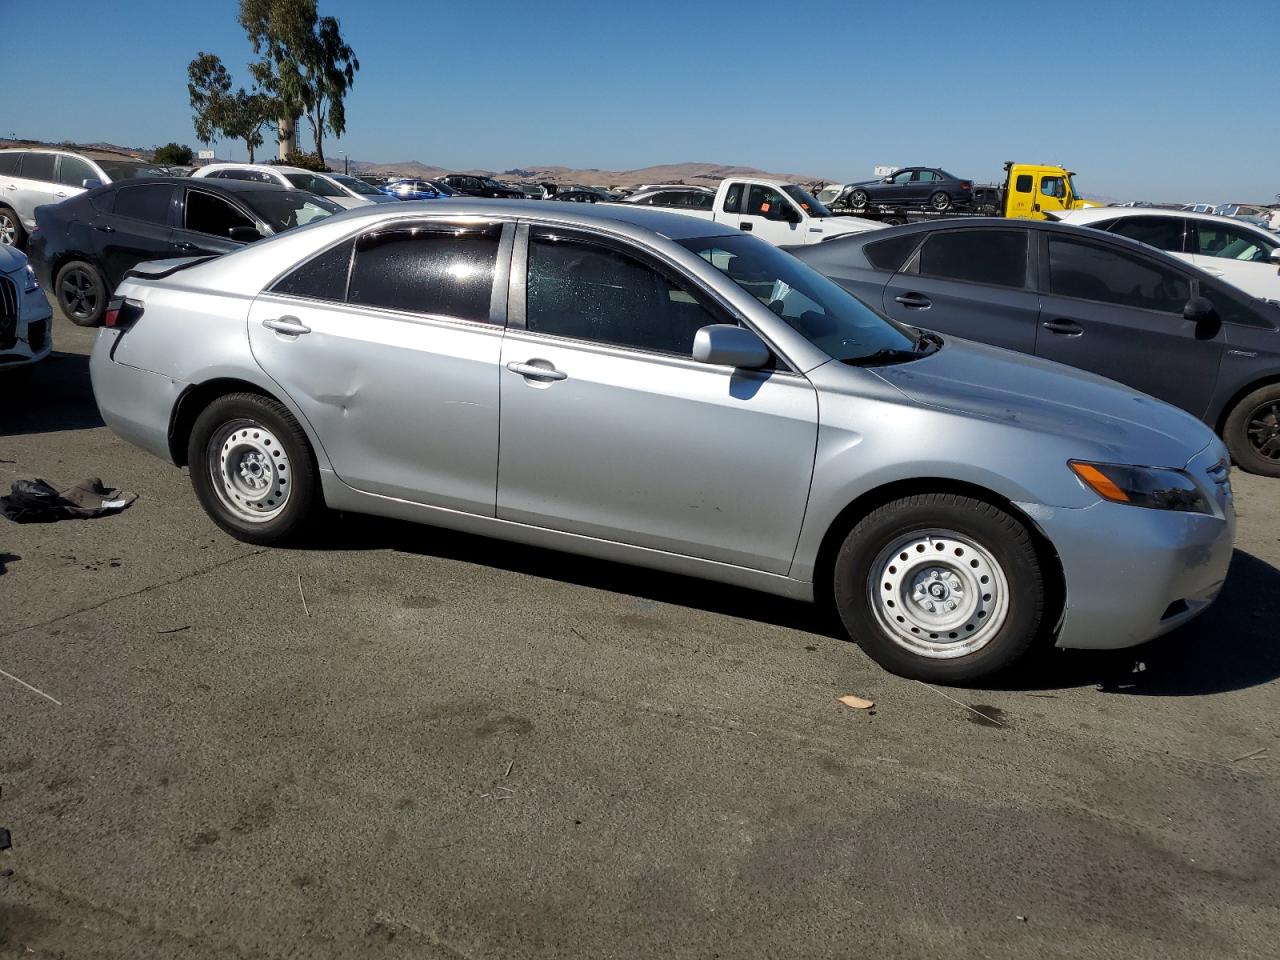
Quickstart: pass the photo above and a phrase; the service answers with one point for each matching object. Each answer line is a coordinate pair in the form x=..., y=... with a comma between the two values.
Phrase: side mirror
x=1274, y=255
x=90, y=183
x=244, y=234
x=727, y=345
x=789, y=213
x=1199, y=310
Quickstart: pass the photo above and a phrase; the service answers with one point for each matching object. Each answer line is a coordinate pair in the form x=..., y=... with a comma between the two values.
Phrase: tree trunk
x=317, y=130
x=249, y=143
x=287, y=145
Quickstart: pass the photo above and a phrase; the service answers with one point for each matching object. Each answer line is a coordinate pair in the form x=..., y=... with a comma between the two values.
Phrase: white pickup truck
x=782, y=213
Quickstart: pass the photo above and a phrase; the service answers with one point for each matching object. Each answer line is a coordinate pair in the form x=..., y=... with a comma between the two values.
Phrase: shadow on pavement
x=56, y=396
x=1233, y=646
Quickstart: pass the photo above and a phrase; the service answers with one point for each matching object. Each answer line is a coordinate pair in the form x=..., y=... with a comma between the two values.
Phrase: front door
x=611, y=430
x=1238, y=255
x=970, y=283
x=205, y=222
x=770, y=215
x=1119, y=314
x=396, y=368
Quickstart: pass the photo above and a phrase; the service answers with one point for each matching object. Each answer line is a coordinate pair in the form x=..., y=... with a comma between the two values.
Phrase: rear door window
x=1087, y=271
x=438, y=270
x=1163, y=233
x=9, y=163
x=323, y=277
x=997, y=257
x=149, y=202
x=733, y=197
x=39, y=166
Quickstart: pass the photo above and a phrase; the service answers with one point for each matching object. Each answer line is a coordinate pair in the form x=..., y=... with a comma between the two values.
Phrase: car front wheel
x=940, y=587
x=253, y=469
x=858, y=199
x=1252, y=432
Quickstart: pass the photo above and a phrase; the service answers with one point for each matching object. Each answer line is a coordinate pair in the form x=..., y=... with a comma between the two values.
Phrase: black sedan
x=582, y=196
x=1089, y=299
x=471, y=185
x=83, y=246
x=925, y=188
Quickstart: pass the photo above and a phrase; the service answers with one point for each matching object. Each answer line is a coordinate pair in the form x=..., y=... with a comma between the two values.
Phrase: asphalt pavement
x=404, y=742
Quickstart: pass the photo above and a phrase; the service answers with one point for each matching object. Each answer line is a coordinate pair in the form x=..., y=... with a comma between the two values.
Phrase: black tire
x=81, y=292
x=11, y=230
x=1008, y=553
x=304, y=499
x=858, y=200
x=1252, y=432
x=940, y=201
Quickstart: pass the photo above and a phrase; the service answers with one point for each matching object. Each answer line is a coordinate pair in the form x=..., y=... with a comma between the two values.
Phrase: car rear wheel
x=81, y=293
x=940, y=587
x=11, y=232
x=940, y=201
x=253, y=469
x=1252, y=432
x=858, y=199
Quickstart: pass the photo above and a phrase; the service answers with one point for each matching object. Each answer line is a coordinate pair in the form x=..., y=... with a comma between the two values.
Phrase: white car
x=293, y=178
x=26, y=319
x=1238, y=252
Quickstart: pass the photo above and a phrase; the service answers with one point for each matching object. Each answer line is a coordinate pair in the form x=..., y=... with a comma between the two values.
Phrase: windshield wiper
x=886, y=355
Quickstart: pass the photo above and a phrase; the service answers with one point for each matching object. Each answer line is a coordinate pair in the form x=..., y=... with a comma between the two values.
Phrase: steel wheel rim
x=956, y=575
x=250, y=470
x=1264, y=430
x=8, y=231
x=77, y=294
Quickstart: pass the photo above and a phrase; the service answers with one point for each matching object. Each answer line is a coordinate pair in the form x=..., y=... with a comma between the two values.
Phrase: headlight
x=32, y=283
x=1155, y=487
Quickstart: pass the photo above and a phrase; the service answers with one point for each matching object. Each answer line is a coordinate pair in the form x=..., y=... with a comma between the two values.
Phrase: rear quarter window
x=323, y=277
x=891, y=253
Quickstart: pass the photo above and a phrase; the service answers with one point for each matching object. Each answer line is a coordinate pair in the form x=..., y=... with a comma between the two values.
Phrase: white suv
x=30, y=178
x=291, y=178
x=26, y=319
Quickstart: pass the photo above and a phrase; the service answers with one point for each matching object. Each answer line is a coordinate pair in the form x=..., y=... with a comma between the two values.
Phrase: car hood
x=11, y=259
x=1113, y=423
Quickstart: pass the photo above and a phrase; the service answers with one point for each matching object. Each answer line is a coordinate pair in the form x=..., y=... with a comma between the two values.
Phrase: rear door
x=977, y=283
x=389, y=345
x=137, y=227
x=1118, y=313
x=1020, y=195
x=35, y=184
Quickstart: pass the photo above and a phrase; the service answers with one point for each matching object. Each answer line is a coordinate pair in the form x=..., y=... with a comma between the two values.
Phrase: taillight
x=122, y=314
x=966, y=185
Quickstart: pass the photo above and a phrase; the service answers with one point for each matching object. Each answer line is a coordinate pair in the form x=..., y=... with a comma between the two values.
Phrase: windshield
x=442, y=188
x=320, y=186
x=126, y=169
x=491, y=183
x=807, y=203
x=285, y=209
x=358, y=186
x=1071, y=182
x=833, y=320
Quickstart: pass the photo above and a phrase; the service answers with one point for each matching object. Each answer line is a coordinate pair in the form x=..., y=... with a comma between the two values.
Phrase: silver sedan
x=647, y=387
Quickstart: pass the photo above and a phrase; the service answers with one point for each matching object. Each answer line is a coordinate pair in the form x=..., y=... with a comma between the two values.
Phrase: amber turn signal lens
x=1099, y=482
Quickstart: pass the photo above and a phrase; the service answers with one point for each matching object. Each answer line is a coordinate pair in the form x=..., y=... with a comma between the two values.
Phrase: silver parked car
x=643, y=386
x=26, y=319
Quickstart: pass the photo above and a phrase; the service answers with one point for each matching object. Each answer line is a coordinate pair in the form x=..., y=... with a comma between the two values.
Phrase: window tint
x=73, y=172
x=977, y=256
x=39, y=166
x=148, y=202
x=1053, y=187
x=1241, y=310
x=928, y=176
x=1164, y=233
x=890, y=254
x=206, y=213
x=589, y=292
x=1231, y=243
x=1023, y=183
x=9, y=162
x=1091, y=272
x=700, y=201
x=439, y=270
x=317, y=185
x=733, y=197
x=323, y=277
x=766, y=202
x=904, y=177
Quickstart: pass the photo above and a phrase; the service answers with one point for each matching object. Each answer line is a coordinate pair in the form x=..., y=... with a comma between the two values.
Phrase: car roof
x=673, y=226
x=1095, y=214
x=230, y=186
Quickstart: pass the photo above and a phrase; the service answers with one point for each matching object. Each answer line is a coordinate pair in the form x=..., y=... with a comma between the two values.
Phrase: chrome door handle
x=290, y=326
x=60, y=193
x=535, y=371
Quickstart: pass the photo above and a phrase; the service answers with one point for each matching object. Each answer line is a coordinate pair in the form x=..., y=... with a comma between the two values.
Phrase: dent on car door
x=1119, y=313
x=970, y=283
x=610, y=429
x=389, y=346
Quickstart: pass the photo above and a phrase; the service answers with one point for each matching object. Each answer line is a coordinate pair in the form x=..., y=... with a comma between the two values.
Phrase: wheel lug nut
x=951, y=604
x=931, y=608
x=934, y=574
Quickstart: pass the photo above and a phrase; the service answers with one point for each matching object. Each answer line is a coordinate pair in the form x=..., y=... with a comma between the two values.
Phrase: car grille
x=8, y=313
x=37, y=333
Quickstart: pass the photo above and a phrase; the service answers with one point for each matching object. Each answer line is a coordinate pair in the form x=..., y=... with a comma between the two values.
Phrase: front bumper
x=28, y=337
x=1134, y=573
x=134, y=403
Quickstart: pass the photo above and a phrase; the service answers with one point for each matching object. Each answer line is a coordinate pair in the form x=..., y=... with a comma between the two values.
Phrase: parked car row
x=668, y=390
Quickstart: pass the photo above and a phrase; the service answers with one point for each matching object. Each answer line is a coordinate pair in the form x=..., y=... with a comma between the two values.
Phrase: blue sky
x=1152, y=100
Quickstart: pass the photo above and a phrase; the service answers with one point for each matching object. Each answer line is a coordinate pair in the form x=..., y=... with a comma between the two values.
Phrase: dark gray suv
x=1093, y=300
